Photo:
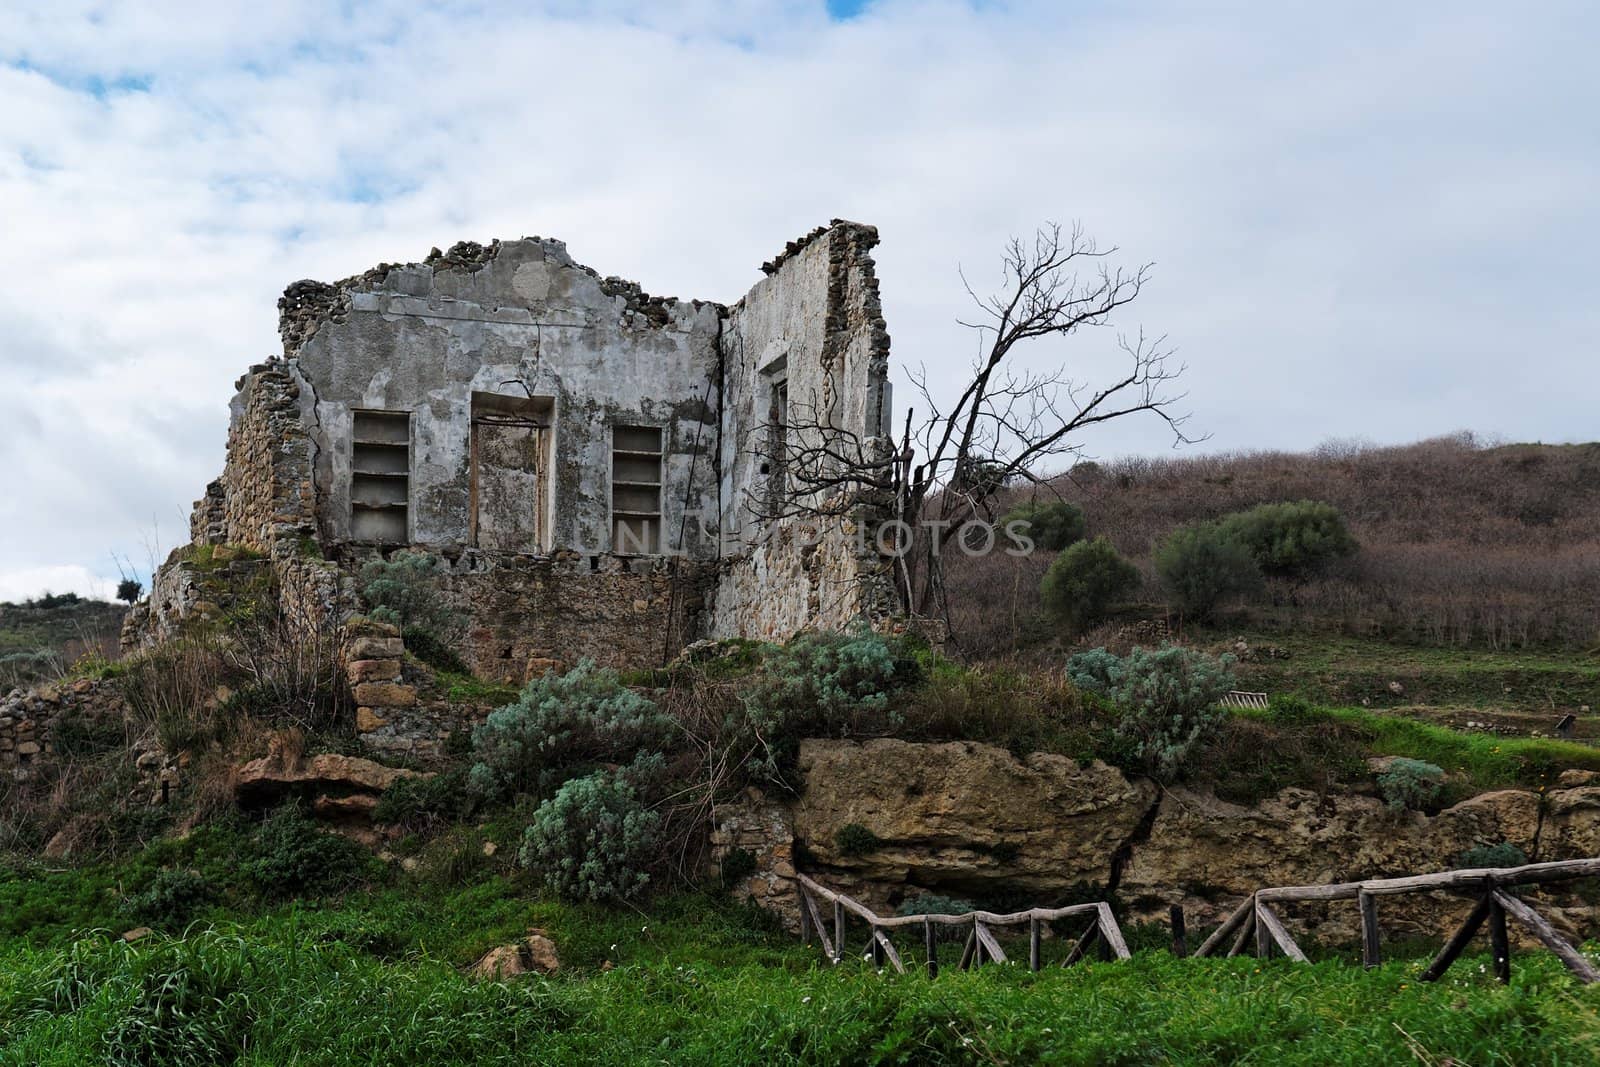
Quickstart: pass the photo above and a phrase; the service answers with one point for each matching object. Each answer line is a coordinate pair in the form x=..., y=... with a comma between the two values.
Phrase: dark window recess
x=380, y=476
x=636, y=490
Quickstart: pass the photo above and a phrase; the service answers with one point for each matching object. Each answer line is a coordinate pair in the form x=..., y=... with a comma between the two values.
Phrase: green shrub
x=561, y=726
x=1085, y=580
x=77, y=734
x=1410, y=784
x=1166, y=701
x=293, y=857
x=171, y=899
x=825, y=685
x=1052, y=524
x=1093, y=671
x=934, y=904
x=1504, y=854
x=1201, y=566
x=1288, y=710
x=737, y=865
x=432, y=649
x=853, y=839
x=593, y=840
x=1291, y=540
x=405, y=590
x=417, y=803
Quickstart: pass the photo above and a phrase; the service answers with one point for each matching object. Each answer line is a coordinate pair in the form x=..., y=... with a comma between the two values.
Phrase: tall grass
x=274, y=999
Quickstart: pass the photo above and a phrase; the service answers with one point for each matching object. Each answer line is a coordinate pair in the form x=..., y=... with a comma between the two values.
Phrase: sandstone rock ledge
x=969, y=819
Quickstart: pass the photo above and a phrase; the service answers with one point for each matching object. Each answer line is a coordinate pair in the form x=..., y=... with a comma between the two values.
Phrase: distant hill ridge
x=1462, y=542
x=40, y=638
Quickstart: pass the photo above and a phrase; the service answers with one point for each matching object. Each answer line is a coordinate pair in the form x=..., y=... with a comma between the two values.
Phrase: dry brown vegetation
x=1462, y=543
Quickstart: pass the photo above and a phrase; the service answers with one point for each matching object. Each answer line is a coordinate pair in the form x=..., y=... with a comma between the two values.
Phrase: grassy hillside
x=1462, y=544
x=40, y=638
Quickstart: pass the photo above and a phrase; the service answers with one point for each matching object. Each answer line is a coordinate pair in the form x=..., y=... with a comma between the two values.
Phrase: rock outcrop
x=964, y=816
x=886, y=820
x=342, y=789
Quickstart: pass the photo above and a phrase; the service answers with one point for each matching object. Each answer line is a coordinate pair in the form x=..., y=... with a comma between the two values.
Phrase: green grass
x=1480, y=762
x=462, y=688
x=292, y=991
x=379, y=977
x=1333, y=669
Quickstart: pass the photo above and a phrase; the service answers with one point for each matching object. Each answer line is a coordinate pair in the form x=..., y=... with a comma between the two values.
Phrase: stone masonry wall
x=527, y=614
x=815, y=326
x=27, y=718
x=267, y=481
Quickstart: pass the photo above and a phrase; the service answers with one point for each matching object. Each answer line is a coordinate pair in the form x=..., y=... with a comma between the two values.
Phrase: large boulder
x=961, y=816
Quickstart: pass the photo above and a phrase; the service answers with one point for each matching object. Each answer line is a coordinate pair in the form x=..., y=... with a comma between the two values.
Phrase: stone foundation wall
x=524, y=615
x=757, y=832
x=185, y=590
x=28, y=718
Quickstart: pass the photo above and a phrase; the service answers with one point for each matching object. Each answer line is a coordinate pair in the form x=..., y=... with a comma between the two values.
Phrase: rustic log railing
x=1102, y=934
x=1239, y=699
x=1256, y=917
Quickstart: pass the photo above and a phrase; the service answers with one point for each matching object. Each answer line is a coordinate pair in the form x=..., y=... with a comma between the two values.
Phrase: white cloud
x=27, y=582
x=1367, y=220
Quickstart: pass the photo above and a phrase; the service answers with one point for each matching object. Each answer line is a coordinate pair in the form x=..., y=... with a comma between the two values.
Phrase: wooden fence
x=981, y=946
x=1490, y=885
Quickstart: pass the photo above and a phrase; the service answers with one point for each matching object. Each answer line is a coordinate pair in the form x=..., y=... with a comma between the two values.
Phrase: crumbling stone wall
x=516, y=319
x=527, y=614
x=27, y=718
x=267, y=488
x=467, y=337
x=814, y=327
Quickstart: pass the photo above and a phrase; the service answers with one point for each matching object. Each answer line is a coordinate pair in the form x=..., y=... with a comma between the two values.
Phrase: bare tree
x=1008, y=424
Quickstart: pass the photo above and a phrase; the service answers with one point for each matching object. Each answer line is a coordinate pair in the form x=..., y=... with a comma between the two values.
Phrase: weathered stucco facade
x=588, y=461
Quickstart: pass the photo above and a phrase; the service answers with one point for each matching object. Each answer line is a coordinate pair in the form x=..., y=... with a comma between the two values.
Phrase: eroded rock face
x=1301, y=838
x=973, y=820
x=963, y=815
x=335, y=781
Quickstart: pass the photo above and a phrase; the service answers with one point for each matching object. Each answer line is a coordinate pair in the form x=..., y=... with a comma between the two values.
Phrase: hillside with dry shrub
x=1462, y=543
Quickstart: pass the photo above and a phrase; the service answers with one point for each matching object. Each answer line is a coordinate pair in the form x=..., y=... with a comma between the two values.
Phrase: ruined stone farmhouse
x=586, y=459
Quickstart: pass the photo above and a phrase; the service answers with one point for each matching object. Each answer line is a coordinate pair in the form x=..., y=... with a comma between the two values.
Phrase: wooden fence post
x=877, y=949
x=1180, y=936
x=838, y=930
x=1033, y=945
x=930, y=943
x=1458, y=941
x=1499, y=942
x=1371, y=943
x=805, y=915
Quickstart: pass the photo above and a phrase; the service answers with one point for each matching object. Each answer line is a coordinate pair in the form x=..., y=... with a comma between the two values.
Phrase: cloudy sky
x=1368, y=220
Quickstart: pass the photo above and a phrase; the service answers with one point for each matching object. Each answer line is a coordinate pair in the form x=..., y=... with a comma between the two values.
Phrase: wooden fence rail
x=981, y=946
x=1256, y=917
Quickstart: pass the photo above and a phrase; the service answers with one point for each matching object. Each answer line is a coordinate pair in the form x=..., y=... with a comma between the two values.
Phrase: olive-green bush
x=1291, y=539
x=1051, y=524
x=1201, y=566
x=560, y=726
x=1084, y=581
x=594, y=840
